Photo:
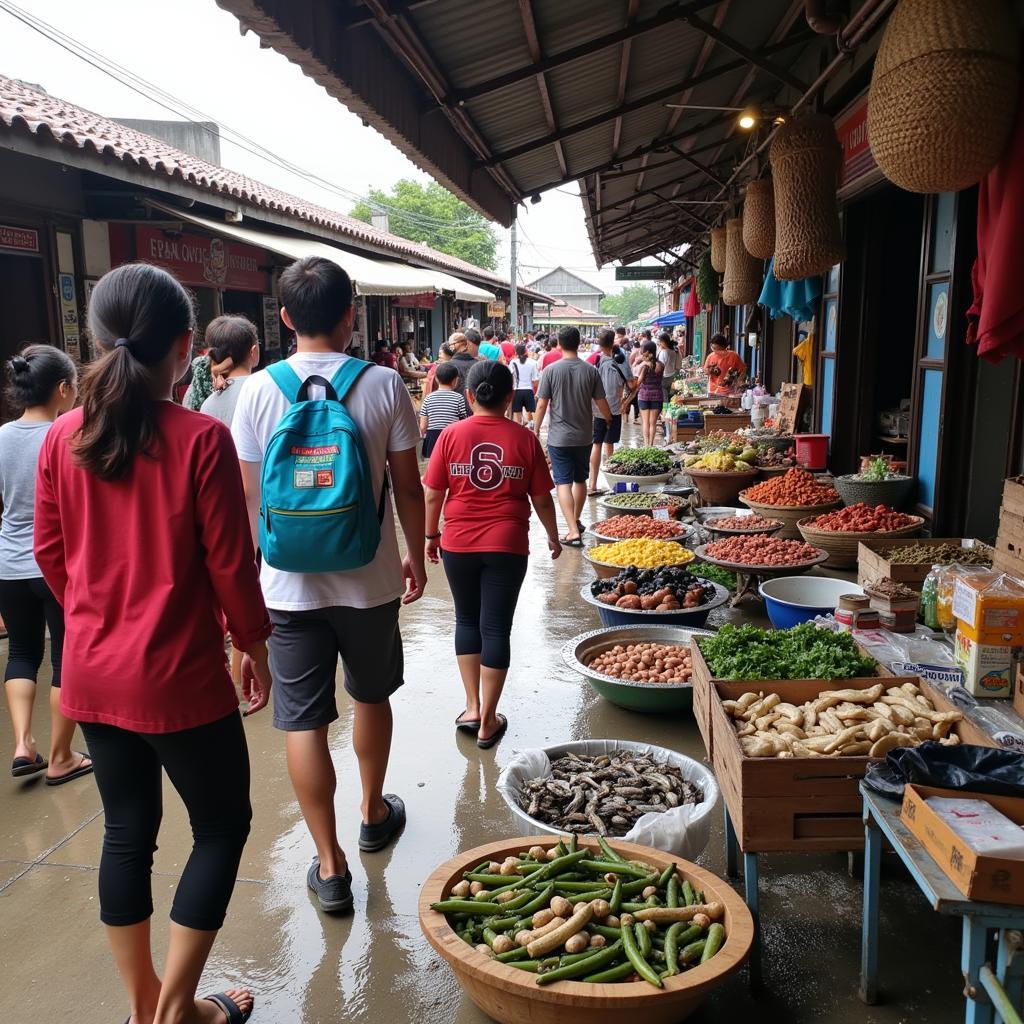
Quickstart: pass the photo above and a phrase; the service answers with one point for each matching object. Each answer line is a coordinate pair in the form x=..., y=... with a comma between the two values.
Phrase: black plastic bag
x=972, y=768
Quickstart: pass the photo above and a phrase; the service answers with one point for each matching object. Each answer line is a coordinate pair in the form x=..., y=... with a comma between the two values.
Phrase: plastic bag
x=683, y=831
x=964, y=766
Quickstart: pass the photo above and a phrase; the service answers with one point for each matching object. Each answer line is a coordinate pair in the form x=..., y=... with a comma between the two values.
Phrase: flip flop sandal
x=82, y=769
x=230, y=1007
x=495, y=736
x=22, y=766
x=376, y=837
x=596, y=492
x=467, y=725
x=580, y=526
x=576, y=542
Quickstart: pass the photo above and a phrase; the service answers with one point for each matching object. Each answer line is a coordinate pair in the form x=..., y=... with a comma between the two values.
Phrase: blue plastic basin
x=791, y=600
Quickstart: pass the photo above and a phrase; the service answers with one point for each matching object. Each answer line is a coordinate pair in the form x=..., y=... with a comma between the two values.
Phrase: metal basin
x=692, y=618
x=634, y=696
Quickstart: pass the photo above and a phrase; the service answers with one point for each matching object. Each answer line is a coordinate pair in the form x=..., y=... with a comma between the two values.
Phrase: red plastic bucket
x=811, y=450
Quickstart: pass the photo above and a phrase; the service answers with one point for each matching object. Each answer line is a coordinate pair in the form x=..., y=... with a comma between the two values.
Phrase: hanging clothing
x=804, y=352
x=796, y=299
x=691, y=307
x=995, y=321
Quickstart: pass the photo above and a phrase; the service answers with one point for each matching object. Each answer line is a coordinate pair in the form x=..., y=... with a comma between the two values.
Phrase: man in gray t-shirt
x=617, y=378
x=568, y=387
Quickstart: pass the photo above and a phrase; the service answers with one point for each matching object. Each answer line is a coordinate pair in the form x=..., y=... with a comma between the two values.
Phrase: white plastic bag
x=683, y=831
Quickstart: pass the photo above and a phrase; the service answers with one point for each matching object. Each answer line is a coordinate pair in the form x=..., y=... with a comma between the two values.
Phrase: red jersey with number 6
x=490, y=468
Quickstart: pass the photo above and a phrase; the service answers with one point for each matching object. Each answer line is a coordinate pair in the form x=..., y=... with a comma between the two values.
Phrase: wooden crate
x=684, y=434
x=872, y=566
x=1009, y=555
x=727, y=422
x=799, y=804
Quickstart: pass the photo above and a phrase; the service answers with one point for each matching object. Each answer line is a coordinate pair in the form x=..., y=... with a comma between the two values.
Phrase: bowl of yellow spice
x=608, y=559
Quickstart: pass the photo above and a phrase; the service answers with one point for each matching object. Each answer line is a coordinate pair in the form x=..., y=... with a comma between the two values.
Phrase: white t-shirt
x=524, y=374
x=671, y=360
x=383, y=411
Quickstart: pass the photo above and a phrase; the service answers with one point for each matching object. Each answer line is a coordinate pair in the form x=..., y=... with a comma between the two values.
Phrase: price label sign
x=661, y=513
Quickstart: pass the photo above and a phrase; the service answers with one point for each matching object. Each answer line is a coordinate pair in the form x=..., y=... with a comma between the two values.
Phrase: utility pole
x=513, y=313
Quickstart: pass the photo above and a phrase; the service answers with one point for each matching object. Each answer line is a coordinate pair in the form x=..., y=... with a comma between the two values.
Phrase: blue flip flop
x=230, y=1007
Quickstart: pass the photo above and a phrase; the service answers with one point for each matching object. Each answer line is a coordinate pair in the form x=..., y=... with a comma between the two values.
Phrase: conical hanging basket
x=943, y=92
x=744, y=274
x=805, y=157
x=759, y=219
x=718, y=249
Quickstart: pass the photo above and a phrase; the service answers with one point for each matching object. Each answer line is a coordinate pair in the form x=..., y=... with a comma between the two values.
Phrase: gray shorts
x=304, y=650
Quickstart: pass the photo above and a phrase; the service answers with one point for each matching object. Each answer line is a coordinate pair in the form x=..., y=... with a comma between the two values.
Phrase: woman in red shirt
x=490, y=469
x=140, y=534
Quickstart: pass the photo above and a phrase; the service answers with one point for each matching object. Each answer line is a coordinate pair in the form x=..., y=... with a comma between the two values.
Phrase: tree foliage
x=431, y=214
x=633, y=300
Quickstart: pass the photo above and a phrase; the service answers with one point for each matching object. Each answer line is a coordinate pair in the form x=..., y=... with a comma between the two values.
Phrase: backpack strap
x=347, y=374
x=286, y=379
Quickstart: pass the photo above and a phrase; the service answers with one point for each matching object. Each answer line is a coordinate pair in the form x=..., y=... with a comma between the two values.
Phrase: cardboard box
x=987, y=616
x=988, y=668
x=984, y=878
x=873, y=565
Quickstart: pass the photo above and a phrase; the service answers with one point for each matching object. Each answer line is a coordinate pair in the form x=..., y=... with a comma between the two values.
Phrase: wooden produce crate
x=684, y=434
x=871, y=565
x=1009, y=556
x=799, y=804
x=729, y=423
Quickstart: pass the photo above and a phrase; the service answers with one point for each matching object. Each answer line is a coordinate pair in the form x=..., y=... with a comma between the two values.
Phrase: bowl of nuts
x=641, y=668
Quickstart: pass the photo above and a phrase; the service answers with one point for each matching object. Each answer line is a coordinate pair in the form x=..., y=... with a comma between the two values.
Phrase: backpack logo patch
x=325, y=478
x=304, y=478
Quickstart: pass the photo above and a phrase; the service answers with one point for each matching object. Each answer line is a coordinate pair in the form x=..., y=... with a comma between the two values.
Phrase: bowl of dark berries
x=669, y=594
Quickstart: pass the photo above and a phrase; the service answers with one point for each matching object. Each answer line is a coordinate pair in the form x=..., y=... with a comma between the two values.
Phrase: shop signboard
x=424, y=300
x=69, y=315
x=641, y=273
x=858, y=161
x=203, y=262
x=19, y=239
x=496, y=309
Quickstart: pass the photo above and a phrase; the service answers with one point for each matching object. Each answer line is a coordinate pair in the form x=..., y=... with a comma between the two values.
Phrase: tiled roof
x=67, y=125
x=563, y=311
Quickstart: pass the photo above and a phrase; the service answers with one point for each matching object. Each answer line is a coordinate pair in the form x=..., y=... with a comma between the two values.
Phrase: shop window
x=928, y=449
x=831, y=324
x=942, y=233
x=832, y=280
x=828, y=380
x=938, y=319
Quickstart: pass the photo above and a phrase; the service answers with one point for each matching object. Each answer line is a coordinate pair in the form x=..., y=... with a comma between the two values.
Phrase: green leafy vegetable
x=803, y=652
x=716, y=574
x=639, y=462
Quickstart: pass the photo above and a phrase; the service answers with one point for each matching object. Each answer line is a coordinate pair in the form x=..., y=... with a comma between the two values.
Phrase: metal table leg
x=1010, y=964
x=869, y=919
x=972, y=959
x=750, y=880
x=731, y=847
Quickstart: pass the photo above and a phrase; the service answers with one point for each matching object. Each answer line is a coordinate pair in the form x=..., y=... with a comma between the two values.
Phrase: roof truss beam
x=624, y=57
x=533, y=44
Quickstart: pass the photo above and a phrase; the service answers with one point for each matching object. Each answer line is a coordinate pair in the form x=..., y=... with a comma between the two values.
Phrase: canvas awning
x=371, y=276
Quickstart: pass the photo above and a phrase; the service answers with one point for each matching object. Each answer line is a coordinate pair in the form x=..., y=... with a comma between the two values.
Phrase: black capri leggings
x=28, y=607
x=209, y=767
x=485, y=588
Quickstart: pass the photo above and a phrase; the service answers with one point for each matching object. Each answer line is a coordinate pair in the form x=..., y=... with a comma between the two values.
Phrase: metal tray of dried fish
x=682, y=830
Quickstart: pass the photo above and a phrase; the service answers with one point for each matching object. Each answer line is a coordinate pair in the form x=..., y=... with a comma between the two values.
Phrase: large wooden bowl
x=842, y=545
x=718, y=487
x=513, y=997
x=788, y=515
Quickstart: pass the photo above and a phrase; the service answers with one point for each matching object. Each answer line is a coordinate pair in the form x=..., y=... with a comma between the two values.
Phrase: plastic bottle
x=930, y=598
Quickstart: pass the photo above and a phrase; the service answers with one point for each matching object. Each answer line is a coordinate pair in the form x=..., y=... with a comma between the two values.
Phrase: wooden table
x=990, y=994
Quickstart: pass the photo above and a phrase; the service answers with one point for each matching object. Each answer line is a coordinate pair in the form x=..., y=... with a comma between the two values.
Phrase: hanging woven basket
x=744, y=274
x=943, y=92
x=759, y=219
x=805, y=157
x=718, y=250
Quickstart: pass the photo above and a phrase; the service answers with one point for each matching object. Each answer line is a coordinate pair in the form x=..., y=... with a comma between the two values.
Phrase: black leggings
x=209, y=767
x=485, y=588
x=28, y=607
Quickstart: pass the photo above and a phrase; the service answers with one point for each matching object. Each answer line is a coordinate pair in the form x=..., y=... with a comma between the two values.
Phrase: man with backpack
x=617, y=378
x=318, y=435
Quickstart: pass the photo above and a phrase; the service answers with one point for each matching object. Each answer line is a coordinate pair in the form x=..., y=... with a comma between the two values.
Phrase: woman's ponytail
x=136, y=313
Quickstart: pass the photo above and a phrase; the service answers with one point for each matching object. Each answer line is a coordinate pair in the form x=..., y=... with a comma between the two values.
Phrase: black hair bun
x=485, y=391
x=19, y=364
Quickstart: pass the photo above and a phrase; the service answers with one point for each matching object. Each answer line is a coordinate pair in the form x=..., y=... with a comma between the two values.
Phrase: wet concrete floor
x=374, y=965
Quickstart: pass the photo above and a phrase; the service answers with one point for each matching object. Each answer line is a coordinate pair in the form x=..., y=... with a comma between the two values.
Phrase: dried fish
x=607, y=794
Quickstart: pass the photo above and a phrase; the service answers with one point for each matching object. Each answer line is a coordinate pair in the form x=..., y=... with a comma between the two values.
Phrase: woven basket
x=805, y=158
x=842, y=545
x=788, y=515
x=759, y=219
x=744, y=274
x=943, y=92
x=718, y=250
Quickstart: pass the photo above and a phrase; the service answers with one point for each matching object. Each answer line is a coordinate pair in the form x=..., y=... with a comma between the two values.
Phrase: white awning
x=371, y=276
x=463, y=289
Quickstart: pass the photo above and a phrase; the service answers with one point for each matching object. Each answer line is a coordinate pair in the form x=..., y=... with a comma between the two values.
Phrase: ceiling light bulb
x=747, y=121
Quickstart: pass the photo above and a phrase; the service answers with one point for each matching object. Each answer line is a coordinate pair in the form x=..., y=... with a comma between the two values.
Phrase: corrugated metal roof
x=471, y=60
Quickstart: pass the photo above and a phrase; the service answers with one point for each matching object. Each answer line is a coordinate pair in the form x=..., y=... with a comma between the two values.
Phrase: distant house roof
x=546, y=281
x=29, y=109
x=564, y=313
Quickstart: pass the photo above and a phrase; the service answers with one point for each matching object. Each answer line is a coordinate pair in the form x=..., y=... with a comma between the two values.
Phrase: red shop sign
x=19, y=239
x=852, y=132
x=424, y=300
x=205, y=262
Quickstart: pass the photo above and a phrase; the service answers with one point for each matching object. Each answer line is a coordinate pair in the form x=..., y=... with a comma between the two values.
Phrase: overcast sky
x=194, y=50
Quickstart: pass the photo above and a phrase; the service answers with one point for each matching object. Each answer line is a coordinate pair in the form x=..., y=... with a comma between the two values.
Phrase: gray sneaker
x=376, y=837
x=334, y=893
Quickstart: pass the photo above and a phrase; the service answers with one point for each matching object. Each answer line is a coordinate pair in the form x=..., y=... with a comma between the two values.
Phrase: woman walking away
x=138, y=506
x=671, y=361
x=43, y=383
x=234, y=343
x=490, y=469
x=649, y=394
x=525, y=375
x=441, y=407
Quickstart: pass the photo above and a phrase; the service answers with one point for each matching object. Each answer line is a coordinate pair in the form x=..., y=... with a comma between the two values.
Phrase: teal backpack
x=318, y=512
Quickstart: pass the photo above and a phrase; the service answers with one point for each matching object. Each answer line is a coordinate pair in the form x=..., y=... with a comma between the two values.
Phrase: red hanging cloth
x=691, y=307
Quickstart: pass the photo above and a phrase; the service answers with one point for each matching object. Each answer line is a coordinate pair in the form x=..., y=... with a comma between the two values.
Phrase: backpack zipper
x=285, y=512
